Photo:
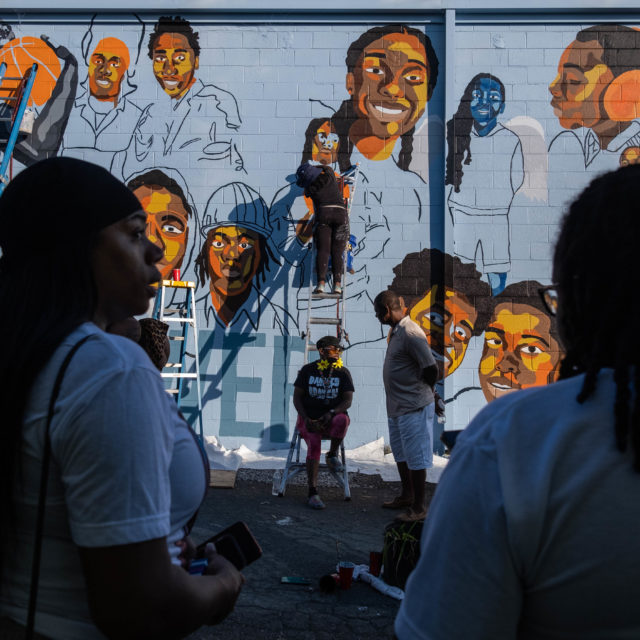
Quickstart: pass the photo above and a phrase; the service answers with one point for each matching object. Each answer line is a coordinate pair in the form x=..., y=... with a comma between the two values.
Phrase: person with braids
x=480, y=216
x=391, y=74
x=101, y=475
x=535, y=524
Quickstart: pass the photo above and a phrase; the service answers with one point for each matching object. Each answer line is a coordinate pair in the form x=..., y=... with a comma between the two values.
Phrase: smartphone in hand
x=236, y=543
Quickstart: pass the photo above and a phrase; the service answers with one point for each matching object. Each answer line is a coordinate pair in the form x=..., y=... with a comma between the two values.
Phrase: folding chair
x=293, y=468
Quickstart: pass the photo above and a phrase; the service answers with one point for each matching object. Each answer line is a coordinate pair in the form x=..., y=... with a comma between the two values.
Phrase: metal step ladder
x=15, y=103
x=183, y=317
x=323, y=310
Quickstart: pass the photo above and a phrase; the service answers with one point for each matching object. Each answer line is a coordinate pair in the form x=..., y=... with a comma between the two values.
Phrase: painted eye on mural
x=414, y=78
x=476, y=95
x=376, y=71
x=217, y=244
x=460, y=332
x=172, y=229
x=495, y=97
x=245, y=245
x=180, y=58
x=160, y=57
x=531, y=350
x=493, y=341
x=436, y=319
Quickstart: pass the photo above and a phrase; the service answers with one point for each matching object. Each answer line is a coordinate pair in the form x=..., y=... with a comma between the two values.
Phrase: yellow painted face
x=107, y=66
x=577, y=89
x=631, y=155
x=174, y=63
x=389, y=84
x=449, y=328
x=167, y=221
x=234, y=259
x=519, y=351
x=325, y=145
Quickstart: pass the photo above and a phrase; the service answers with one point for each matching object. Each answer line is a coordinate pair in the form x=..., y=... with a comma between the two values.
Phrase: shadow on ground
x=298, y=541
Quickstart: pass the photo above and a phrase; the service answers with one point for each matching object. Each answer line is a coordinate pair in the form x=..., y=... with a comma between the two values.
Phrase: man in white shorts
x=409, y=374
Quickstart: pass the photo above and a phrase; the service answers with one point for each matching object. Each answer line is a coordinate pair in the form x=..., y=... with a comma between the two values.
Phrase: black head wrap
x=58, y=203
x=328, y=341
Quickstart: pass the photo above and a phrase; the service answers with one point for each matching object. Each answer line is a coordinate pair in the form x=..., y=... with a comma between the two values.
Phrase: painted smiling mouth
x=387, y=111
x=170, y=84
x=104, y=83
x=503, y=386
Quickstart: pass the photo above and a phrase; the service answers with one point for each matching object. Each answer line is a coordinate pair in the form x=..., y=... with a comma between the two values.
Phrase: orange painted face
x=234, y=259
x=107, y=66
x=578, y=88
x=174, y=64
x=449, y=328
x=167, y=228
x=519, y=351
x=389, y=85
x=631, y=155
x=325, y=145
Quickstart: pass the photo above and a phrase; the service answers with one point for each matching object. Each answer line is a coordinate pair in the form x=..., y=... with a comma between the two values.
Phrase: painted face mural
x=631, y=155
x=487, y=102
x=174, y=63
x=519, y=351
x=448, y=328
x=325, y=144
x=233, y=259
x=167, y=221
x=578, y=88
x=107, y=65
x=389, y=84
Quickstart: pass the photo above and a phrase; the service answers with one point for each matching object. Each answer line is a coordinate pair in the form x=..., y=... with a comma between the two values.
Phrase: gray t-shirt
x=534, y=531
x=407, y=356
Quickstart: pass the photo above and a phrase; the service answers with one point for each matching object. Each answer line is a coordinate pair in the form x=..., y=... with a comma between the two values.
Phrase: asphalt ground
x=299, y=541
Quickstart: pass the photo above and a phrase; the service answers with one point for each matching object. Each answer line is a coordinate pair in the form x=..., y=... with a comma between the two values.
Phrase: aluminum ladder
x=182, y=316
x=16, y=100
x=323, y=310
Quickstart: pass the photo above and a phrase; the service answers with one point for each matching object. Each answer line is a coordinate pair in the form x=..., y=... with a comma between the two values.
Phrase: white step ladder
x=183, y=316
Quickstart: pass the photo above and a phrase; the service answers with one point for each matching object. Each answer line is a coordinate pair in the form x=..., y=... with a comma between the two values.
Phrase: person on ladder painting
x=323, y=393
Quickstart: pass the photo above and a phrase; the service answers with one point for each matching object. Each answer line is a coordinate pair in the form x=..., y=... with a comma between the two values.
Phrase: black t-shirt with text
x=323, y=390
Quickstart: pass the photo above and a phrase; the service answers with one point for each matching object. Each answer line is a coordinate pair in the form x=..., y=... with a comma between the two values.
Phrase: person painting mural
x=330, y=221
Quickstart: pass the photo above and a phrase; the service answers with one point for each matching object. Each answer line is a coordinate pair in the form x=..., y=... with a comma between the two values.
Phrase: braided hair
x=592, y=269
x=346, y=115
x=459, y=133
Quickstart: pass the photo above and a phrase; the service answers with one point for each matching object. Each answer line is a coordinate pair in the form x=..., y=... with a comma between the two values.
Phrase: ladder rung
x=172, y=390
x=174, y=365
x=189, y=320
x=6, y=119
x=192, y=376
x=324, y=296
x=171, y=310
x=177, y=338
x=324, y=321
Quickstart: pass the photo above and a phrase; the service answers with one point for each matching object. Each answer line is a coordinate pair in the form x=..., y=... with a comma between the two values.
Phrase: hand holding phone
x=236, y=544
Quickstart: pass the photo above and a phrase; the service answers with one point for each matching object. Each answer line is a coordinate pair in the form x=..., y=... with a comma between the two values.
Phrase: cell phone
x=236, y=543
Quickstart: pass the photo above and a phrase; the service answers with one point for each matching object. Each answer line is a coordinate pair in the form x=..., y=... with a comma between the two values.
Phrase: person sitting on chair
x=323, y=393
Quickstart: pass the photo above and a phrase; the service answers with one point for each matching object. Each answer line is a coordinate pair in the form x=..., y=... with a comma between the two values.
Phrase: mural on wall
x=595, y=96
x=104, y=116
x=521, y=344
x=50, y=96
x=501, y=159
x=170, y=215
x=193, y=117
x=221, y=199
x=236, y=258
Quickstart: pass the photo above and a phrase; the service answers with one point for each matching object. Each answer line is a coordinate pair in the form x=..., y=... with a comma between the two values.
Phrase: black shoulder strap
x=46, y=457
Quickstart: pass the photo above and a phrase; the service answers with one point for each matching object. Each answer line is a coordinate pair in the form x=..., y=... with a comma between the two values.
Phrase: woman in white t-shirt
x=125, y=475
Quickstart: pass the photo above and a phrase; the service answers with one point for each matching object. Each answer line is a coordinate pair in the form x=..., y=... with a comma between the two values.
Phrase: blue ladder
x=20, y=98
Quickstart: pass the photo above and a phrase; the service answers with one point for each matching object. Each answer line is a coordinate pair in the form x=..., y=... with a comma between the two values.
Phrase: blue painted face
x=487, y=102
